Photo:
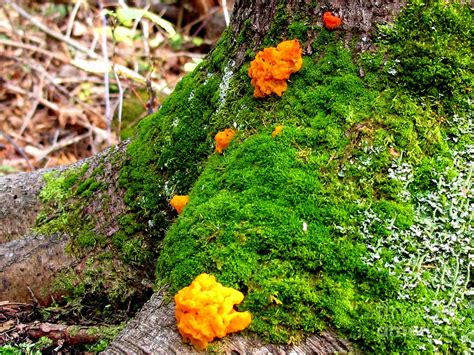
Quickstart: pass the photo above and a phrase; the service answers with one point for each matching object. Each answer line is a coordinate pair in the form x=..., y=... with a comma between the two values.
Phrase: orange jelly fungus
x=205, y=310
x=178, y=202
x=277, y=131
x=273, y=66
x=330, y=21
x=223, y=139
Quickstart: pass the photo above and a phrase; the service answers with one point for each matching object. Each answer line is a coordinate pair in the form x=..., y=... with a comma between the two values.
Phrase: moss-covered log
x=354, y=221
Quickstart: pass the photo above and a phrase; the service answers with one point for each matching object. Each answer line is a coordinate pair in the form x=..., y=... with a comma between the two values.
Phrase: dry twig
x=18, y=149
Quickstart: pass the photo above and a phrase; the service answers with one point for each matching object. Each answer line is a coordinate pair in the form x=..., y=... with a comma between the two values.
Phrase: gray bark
x=29, y=261
x=19, y=203
x=153, y=331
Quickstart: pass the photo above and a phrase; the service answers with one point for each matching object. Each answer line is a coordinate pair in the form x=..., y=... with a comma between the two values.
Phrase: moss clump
x=104, y=285
x=87, y=187
x=318, y=225
x=430, y=48
x=58, y=213
x=106, y=334
x=62, y=211
x=260, y=219
x=101, y=292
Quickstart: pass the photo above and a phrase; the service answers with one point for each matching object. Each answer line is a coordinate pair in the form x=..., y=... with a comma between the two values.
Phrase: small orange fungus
x=205, y=310
x=178, y=202
x=330, y=21
x=223, y=139
x=277, y=131
x=273, y=66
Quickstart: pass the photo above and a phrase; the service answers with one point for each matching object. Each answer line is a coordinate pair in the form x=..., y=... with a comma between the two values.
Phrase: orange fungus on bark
x=205, y=310
x=273, y=66
x=330, y=21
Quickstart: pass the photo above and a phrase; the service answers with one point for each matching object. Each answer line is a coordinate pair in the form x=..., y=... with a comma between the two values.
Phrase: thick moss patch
x=104, y=287
x=263, y=218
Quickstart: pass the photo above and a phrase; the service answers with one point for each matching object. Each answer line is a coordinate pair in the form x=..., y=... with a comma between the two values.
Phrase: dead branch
x=68, y=334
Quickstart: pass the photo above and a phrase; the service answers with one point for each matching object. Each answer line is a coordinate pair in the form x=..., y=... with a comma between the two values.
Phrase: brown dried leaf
x=69, y=115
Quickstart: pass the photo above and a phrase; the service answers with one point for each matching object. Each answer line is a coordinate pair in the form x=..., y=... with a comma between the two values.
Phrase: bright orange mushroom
x=205, y=311
x=330, y=21
x=273, y=66
x=223, y=139
x=277, y=131
x=178, y=202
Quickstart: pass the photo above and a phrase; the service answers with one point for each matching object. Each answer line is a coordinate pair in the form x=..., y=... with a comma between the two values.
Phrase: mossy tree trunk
x=31, y=257
x=21, y=240
x=348, y=123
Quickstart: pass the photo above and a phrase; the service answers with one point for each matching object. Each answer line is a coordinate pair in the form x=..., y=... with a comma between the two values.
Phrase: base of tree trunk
x=153, y=331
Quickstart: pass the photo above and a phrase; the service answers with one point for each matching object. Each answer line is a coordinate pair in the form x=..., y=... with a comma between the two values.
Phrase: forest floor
x=56, y=104
x=74, y=80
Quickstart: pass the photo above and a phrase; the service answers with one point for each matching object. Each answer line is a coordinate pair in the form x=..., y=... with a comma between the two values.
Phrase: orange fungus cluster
x=277, y=131
x=330, y=21
x=205, y=310
x=178, y=202
x=223, y=139
x=273, y=66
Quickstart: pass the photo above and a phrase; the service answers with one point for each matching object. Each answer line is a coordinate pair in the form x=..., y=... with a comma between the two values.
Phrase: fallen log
x=153, y=331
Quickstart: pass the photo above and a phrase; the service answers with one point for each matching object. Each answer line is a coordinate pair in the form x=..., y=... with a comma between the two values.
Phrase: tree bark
x=28, y=263
x=19, y=203
x=359, y=18
x=153, y=331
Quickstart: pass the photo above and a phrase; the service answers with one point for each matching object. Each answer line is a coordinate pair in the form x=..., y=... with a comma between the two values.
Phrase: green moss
x=103, y=290
x=220, y=54
x=298, y=30
x=105, y=284
x=245, y=224
x=430, y=49
x=88, y=187
x=62, y=207
x=106, y=334
x=283, y=218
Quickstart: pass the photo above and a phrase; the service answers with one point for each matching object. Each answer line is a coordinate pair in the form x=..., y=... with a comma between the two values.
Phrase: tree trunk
x=359, y=18
x=19, y=194
x=29, y=260
x=153, y=331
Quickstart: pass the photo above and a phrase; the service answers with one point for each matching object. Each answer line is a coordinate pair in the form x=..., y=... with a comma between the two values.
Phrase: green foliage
x=26, y=348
